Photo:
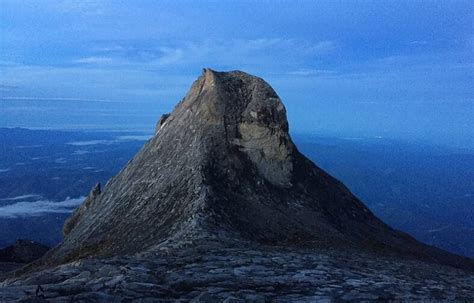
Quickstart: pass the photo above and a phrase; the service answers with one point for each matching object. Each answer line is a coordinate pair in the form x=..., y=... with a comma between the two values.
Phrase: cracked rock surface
x=245, y=275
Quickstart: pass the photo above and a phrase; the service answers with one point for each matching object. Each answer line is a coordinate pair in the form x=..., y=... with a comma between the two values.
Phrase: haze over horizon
x=398, y=69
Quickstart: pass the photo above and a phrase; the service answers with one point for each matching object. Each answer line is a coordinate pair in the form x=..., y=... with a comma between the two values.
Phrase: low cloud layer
x=22, y=197
x=118, y=139
x=40, y=207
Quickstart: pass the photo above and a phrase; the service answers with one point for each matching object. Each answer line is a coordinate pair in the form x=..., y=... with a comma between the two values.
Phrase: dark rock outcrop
x=161, y=122
x=78, y=212
x=23, y=251
x=222, y=168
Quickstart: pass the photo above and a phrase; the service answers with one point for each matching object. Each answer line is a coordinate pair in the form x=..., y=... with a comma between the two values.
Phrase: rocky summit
x=220, y=206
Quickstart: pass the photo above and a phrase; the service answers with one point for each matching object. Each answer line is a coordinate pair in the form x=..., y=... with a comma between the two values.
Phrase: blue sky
x=399, y=69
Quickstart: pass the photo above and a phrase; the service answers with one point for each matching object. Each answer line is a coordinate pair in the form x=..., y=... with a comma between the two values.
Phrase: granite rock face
x=78, y=212
x=220, y=206
x=223, y=166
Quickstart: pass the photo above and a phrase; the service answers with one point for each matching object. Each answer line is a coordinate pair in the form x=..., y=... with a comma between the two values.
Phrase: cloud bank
x=40, y=207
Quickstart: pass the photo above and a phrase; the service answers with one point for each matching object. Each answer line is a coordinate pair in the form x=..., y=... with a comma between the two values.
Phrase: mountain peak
x=236, y=96
x=222, y=169
x=247, y=112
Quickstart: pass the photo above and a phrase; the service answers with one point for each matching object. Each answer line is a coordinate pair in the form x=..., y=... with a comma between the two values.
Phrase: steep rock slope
x=222, y=168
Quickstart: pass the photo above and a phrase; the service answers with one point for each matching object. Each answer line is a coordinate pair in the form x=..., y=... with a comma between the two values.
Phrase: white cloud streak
x=38, y=208
x=83, y=7
x=22, y=197
x=95, y=60
x=118, y=139
x=53, y=99
x=234, y=52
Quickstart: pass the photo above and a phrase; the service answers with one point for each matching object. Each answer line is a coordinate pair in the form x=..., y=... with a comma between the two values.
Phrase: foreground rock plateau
x=219, y=206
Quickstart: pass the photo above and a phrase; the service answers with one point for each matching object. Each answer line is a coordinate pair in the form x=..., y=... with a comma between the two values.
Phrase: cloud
x=81, y=152
x=322, y=47
x=29, y=146
x=40, y=207
x=208, y=52
x=312, y=72
x=170, y=56
x=153, y=70
x=90, y=142
x=131, y=81
x=134, y=138
x=5, y=88
x=22, y=197
x=419, y=42
x=95, y=60
x=118, y=139
x=53, y=99
x=83, y=7
x=8, y=63
x=257, y=52
x=110, y=48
